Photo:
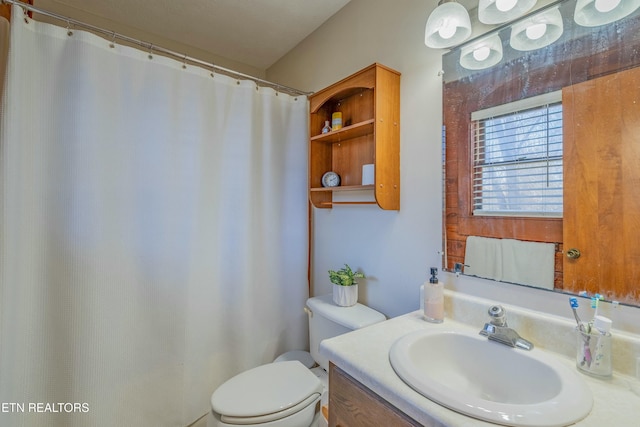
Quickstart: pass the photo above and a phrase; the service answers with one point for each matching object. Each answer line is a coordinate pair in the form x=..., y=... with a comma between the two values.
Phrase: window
x=517, y=158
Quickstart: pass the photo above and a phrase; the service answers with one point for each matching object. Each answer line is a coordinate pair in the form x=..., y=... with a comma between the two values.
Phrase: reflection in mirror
x=542, y=151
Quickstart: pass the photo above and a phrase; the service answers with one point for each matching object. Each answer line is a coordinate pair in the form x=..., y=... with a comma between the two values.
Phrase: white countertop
x=364, y=354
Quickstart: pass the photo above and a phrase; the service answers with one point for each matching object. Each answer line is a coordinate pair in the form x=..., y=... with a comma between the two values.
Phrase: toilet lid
x=301, y=356
x=267, y=390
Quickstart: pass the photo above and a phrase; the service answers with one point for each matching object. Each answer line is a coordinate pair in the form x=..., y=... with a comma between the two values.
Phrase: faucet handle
x=497, y=330
x=488, y=329
x=498, y=315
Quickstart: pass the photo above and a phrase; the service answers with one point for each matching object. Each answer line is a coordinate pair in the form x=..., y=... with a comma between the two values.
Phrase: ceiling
x=253, y=32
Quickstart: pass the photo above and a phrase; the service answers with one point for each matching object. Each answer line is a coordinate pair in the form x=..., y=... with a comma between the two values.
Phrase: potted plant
x=345, y=286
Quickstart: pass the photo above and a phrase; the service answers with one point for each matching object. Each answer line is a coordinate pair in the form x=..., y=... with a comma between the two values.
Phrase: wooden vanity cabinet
x=369, y=101
x=351, y=404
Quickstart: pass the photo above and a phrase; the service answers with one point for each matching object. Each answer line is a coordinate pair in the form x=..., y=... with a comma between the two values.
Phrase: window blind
x=517, y=158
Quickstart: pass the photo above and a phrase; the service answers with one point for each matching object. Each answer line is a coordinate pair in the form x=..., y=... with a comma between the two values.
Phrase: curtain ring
x=150, y=49
x=213, y=69
x=113, y=40
x=184, y=62
x=69, y=31
x=26, y=15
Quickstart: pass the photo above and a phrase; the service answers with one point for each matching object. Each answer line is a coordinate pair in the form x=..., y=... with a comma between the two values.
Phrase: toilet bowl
x=288, y=392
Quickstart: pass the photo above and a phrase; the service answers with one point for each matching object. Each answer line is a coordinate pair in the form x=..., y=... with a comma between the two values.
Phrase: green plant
x=345, y=276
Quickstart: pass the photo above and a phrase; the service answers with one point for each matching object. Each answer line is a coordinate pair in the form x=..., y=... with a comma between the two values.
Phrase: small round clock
x=330, y=179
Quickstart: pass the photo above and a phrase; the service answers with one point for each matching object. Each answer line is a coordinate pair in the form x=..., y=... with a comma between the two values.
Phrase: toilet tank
x=327, y=320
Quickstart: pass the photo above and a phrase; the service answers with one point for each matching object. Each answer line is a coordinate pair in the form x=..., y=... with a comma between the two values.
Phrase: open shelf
x=346, y=133
x=343, y=188
x=329, y=204
x=369, y=101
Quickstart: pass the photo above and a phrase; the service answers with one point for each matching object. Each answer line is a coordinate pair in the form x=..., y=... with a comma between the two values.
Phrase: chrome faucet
x=498, y=330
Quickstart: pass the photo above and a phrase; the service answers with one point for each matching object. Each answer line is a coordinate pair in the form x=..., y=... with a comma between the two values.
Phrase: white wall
x=397, y=248
x=63, y=9
x=394, y=248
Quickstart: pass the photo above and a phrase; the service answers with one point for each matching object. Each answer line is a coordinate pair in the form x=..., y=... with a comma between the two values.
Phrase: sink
x=491, y=381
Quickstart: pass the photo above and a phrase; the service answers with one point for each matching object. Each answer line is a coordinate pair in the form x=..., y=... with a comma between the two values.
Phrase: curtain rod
x=151, y=47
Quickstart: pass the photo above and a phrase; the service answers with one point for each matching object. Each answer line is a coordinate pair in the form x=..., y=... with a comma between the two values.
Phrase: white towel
x=509, y=260
x=483, y=257
x=528, y=263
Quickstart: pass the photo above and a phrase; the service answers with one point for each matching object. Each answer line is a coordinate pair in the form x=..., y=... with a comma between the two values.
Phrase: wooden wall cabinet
x=351, y=404
x=369, y=101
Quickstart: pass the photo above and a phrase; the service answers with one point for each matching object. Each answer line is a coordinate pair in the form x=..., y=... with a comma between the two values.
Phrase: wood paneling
x=602, y=177
x=387, y=131
x=351, y=404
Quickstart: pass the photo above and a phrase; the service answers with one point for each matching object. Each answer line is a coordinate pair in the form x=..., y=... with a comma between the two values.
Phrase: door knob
x=573, y=253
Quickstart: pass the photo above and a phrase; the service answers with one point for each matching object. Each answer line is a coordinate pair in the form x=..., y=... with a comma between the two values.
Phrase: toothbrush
x=586, y=351
x=574, y=305
x=594, y=304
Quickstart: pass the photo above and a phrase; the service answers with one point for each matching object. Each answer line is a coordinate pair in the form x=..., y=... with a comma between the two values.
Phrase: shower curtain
x=154, y=232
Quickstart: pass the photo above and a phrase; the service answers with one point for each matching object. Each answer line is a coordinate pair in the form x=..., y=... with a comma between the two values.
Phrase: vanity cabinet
x=369, y=101
x=351, y=404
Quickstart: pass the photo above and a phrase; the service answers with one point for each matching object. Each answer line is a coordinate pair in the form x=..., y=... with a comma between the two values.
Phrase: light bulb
x=447, y=29
x=535, y=31
x=505, y=5
x=604, y=6
x=481, y=53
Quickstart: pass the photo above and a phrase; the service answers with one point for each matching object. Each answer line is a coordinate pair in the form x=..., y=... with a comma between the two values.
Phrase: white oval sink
x=491, y=381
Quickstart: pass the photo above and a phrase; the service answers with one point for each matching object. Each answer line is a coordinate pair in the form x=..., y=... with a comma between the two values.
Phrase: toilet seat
x=270, y=417
x=266, y=393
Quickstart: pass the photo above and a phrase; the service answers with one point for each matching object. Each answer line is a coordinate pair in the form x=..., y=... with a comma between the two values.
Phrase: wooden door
x=602, y=185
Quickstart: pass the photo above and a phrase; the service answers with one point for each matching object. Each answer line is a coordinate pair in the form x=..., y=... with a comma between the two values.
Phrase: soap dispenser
x=434, y=299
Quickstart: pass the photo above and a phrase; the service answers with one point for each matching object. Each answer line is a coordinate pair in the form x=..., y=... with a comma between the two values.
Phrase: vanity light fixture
x=538, y=31
x=499, y=11
x=482, y=54
x=448, y=25
x=592, y=13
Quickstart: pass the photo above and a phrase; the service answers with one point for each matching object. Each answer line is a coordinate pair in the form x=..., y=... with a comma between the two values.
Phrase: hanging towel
x=528, y=263
x=509, y=260
x=483, y=257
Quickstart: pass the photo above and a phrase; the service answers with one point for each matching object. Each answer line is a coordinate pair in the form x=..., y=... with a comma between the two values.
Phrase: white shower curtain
x=154, y=232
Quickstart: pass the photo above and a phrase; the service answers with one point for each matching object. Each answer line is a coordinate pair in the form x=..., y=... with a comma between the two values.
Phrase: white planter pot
x=345, y=296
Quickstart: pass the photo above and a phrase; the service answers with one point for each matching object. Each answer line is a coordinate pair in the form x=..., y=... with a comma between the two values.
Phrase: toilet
x=288, y=392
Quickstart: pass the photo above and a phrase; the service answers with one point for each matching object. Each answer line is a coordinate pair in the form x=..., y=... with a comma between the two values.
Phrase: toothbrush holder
x=593, y=353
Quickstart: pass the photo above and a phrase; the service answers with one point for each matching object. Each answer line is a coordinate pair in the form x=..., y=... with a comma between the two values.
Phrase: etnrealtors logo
x=44, y=407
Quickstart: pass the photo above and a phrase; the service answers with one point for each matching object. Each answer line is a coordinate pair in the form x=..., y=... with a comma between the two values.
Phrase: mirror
x=594, y=69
